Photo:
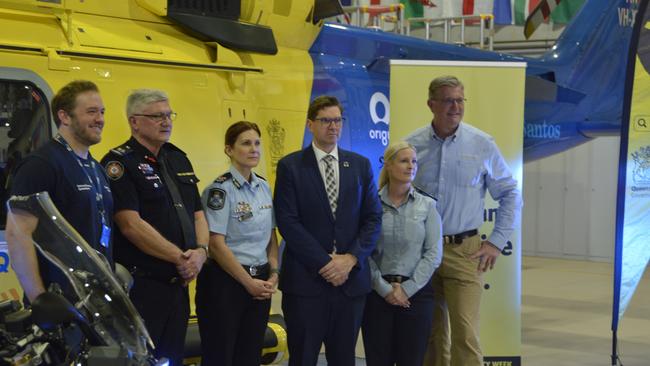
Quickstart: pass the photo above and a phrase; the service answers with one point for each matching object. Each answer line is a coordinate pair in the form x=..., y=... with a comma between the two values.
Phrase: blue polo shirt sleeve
x=33, y=175
x=216, y=203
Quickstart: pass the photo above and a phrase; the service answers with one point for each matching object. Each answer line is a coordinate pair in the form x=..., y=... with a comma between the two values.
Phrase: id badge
x=106, y=236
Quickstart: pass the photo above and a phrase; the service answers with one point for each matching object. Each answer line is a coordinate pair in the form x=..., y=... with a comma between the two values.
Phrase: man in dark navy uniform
x=74, y=180
x=161, y=232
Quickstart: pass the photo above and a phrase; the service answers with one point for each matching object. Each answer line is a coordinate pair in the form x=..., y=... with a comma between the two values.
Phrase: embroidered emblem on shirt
x=84, y=187
x=114, y=170
x=216, y=198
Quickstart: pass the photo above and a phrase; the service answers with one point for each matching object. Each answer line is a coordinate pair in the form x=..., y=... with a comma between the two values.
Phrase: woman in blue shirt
x=399, y=310
x=233, y=291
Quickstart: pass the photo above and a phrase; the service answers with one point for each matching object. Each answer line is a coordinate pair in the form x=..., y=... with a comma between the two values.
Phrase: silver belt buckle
x=252, y=270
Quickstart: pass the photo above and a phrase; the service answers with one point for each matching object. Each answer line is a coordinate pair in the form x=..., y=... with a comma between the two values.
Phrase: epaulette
x=222, y=178
x=423, y=192
x=123, y=150
x=174, y=147
x=261, y=177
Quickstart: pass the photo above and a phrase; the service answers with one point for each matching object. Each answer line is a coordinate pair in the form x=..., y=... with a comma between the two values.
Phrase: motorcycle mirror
x=50, y=310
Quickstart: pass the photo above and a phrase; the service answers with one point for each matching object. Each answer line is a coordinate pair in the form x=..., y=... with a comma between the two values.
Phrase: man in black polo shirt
x=161, y=232
x=74, y=180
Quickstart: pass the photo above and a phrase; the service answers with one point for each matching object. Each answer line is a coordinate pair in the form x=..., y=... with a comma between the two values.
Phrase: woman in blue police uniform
x=233, y=292
x=398, y=313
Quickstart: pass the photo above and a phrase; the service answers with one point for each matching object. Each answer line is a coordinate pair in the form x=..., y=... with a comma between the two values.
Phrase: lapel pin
x=346, y=164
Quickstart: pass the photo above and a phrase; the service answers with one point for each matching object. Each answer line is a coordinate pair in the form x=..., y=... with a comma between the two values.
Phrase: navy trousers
x=331, y=318
x=393, y=335
x=231, y=323
x=165, y=309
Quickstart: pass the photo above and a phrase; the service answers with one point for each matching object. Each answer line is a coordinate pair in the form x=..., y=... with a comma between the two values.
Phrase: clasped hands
x=190, y=263
x=260, y=289
x=337, y=270
x=398, y=297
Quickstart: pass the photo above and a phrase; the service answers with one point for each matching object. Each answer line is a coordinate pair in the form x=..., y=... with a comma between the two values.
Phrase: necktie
x=330, y=183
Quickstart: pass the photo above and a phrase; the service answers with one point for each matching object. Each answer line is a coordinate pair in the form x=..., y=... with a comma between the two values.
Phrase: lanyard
x=97, y=185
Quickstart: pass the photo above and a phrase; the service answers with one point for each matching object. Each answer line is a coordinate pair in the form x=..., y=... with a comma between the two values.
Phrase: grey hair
x=442, y=81
x=142, y=97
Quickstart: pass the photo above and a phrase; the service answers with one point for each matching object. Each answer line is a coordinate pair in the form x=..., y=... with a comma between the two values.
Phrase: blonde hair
x=389, y=155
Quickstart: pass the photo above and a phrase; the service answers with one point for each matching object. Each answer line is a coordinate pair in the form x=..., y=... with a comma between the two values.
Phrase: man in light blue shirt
x=457, y=164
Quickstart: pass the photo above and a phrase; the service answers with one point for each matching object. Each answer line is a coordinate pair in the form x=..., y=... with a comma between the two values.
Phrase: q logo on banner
x=4, y=262
x=377, y=134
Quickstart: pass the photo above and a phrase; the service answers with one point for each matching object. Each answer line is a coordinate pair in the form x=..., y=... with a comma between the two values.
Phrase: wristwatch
x=206, y=248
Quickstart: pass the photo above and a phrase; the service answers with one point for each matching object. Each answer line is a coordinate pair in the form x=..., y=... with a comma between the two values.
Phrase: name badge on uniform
x=244, y=211
x=106, y=235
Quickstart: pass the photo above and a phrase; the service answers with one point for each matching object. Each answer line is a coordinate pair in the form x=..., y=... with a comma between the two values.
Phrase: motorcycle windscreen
x=93, y=289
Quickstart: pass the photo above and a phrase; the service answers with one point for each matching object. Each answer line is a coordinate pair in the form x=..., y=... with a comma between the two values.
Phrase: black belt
x=258, y=271
x=139, y=272
x=395, y=278
x=458, y=238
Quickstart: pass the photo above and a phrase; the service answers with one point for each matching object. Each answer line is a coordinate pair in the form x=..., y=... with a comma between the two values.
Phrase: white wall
x=570, y=202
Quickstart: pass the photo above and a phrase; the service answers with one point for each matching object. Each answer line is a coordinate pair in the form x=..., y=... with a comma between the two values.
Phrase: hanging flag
x=477, y=7
x=412, y=8
x=541, y=13
x=632, y=238
x=502, y=12
x=566, y=10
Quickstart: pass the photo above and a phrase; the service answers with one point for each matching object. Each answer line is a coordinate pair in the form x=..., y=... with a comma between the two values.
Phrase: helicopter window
x=25, y=125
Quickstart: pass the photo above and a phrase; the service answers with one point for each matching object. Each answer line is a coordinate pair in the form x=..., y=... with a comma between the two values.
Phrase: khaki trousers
x=457, y=286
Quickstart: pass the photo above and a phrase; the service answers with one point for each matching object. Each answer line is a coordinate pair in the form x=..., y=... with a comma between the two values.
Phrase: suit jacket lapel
x=346, y=177
x=316, y=179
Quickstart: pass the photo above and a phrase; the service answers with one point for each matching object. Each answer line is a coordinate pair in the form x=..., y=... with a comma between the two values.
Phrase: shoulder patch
x=424, y=193
x=122, y=150
x=216, y=198
x=223, y=178
x=114, y=170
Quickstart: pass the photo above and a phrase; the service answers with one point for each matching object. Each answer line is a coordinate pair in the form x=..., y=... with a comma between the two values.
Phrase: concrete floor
x=566, y=315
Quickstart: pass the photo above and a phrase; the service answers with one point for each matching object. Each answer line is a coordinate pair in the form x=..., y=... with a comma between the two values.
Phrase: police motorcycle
x=94, y=324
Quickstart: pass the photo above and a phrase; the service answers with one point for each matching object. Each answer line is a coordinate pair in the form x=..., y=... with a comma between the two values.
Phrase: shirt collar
x=320, y=154
x=453, y=137
x=241, y=181
x=383, y=195
x=136, y=145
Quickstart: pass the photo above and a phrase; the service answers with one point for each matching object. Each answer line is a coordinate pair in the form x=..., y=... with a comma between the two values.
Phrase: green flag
x=413, y=9
x=566, y=10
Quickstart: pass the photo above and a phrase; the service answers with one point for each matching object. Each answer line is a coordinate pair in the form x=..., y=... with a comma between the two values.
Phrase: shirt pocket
x=187, y=178
x=414, y=225
x=151, y=188
x=468, y=171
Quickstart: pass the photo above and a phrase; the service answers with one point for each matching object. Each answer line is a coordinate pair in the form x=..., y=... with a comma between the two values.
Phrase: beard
x=83, y=134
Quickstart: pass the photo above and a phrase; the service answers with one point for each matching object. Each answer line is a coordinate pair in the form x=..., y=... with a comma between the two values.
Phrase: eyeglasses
x=159, y=117
x=329, y=121
x=451, y=101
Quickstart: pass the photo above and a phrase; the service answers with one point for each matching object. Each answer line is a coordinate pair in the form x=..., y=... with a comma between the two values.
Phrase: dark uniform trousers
x=232, y=324
x=164, y=306
x=393, y=335
x=332, y=318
